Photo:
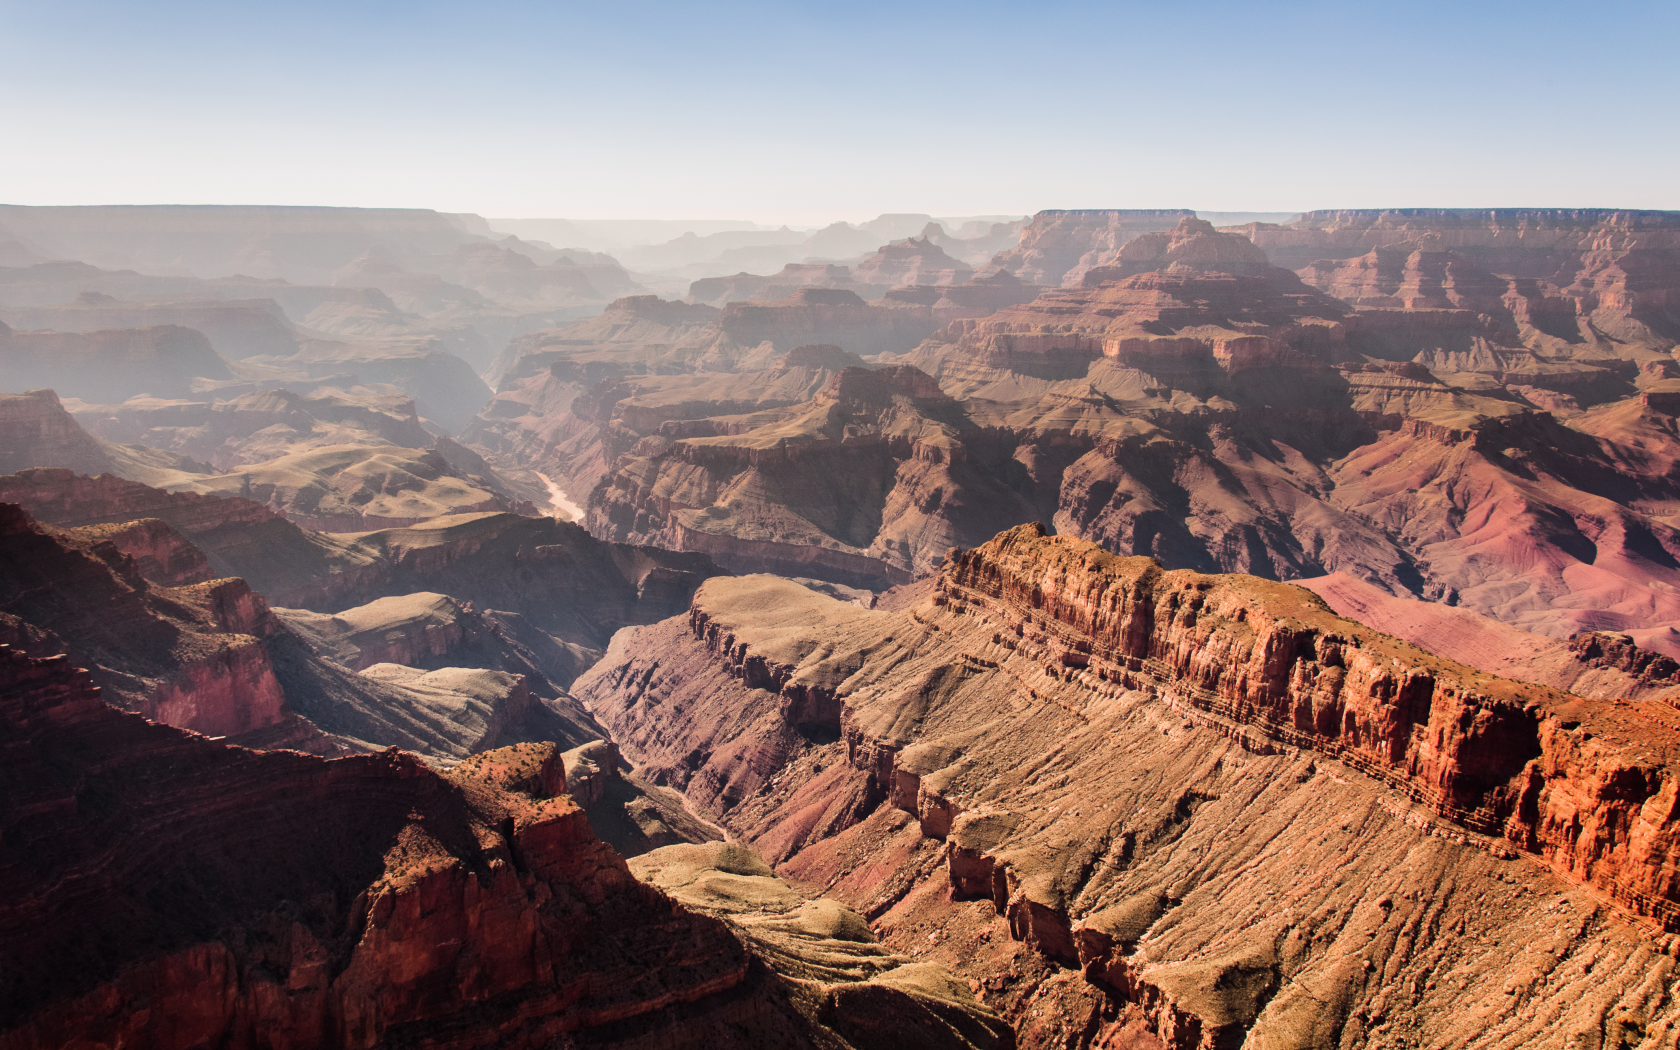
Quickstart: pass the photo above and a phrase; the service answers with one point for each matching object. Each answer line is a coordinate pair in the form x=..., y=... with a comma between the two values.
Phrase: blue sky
x=810, y=112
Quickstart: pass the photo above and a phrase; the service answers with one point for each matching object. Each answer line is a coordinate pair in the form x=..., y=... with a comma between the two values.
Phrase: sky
x=809, y=113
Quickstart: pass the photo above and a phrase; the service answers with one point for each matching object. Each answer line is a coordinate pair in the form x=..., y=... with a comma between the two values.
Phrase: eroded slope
x=1137, y=804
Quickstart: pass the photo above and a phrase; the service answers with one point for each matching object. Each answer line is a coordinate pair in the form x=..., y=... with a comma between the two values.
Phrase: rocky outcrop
x=258, y=426
x=719, y=291
x=825, y=315
x=976, y=297
x=36, y=431
x=214, y=658
x=110, y=364
x=357, y=488
x=424, y=630
x=1617, y=652
x=912, y=261
x=160, y=554
x=899, y=482
x=866, y=994
x=544, y=593
x=1192, y=246
x=1058, y=246
x=590, y=768
x=235, y=328
x=1197, y=802
x=399, y=875
x=192, y=656
x=237, y=536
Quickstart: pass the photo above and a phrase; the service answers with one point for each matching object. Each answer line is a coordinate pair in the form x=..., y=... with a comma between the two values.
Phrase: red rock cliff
x=1591, y=786
x=162, y=890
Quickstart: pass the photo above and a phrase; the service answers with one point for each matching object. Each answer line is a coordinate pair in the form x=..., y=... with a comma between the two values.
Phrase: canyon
x=1099, y=629
x=1426, y=425
x=358, y=902
x=1130, y=803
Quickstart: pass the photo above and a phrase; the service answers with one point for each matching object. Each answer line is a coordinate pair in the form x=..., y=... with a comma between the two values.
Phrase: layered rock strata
x=111, y=364
x=211, y=656
x=36, y=431
x=358, y=488
x=860, y=486
x=1132, y=803
x=219, y=896
x=1057, y=247
x=833, y=964
x=378, y=901
x=549, y=594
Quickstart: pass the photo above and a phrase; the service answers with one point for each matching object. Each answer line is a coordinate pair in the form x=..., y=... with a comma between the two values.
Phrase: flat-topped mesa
x=111, y=364
x=976, y=297
x=1593, y=787
x=1516, y=220
x=827, y=315
x=1520, y=242
x=717, y=291
x=1165, y=322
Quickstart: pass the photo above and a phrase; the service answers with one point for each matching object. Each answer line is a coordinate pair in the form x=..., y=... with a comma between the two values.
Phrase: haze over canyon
x=1104, y=629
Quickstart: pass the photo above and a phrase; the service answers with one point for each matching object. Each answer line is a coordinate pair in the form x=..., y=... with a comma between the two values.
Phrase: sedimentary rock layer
x=165, y=890
x=217, y=895
x=1133, y=803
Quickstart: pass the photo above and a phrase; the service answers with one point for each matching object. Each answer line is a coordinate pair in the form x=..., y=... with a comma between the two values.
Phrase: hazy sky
x=810, y=112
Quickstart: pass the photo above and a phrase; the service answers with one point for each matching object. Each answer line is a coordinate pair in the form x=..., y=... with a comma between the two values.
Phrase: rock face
x=1058, y=246
x=259, y=426
x=112, y=364
x=545, y=593
x=35, y=430
x=859, y=486
x=235, y=329
x=718, y=291
x=1199, y=809
x=826, y=315
x=192, y=656
x=357, y=488
x=869, y=995
x=351, y=903
x=912, y=261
